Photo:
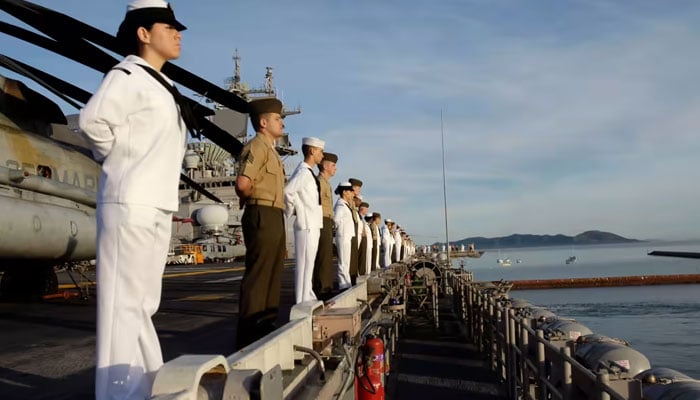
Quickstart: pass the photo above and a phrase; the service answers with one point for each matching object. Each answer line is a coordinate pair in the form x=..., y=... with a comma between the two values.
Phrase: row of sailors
x=360, y=243
x=377, y=247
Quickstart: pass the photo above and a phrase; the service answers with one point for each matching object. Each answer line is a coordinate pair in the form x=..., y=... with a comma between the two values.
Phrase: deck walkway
x=439, y=363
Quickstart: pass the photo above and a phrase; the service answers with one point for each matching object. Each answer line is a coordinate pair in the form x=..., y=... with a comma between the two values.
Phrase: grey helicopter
x=48, y=178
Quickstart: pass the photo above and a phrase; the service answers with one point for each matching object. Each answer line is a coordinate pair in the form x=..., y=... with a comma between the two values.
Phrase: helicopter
x=47, y=190
x=48, y=178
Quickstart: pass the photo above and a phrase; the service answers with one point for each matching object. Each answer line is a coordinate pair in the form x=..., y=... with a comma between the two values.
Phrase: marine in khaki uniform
x=260, y=186
x=323, y=266
x=375, y=220
x=365, y=236
x=357, y=239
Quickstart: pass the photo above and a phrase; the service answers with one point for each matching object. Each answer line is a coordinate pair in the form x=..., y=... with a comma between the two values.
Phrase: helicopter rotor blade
x=66, y=91
x=196, y=186
x=53, y=23
x=89, y=53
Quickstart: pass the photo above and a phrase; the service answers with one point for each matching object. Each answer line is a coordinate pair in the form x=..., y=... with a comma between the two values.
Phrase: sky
x=558, y=116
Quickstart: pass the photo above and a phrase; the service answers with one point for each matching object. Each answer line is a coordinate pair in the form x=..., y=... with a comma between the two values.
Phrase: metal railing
x=531, y=366
x=532, y=363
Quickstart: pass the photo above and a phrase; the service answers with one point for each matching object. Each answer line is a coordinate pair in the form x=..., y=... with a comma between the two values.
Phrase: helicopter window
x=43, y=171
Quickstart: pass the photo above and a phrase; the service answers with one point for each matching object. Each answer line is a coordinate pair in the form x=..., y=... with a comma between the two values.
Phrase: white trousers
x=379, y=256
x=344, y=245
x=132, y=248
x=386, y=255
x=368, y=253
x=305, y=246
x=397, y=251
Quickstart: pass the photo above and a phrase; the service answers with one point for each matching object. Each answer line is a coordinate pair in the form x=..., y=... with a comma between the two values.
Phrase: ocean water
x=661, y=322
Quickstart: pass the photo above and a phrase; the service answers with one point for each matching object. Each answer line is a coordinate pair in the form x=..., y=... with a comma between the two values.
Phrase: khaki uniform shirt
x=355, y=219
x=375, y=231
x=261, y=163
x=326, y=197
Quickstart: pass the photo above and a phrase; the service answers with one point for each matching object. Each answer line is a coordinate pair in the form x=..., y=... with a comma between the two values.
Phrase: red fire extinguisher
x=369, y=370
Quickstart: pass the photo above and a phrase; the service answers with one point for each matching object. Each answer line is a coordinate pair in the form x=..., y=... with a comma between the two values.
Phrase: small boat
x=506, y=262
x=571, y=260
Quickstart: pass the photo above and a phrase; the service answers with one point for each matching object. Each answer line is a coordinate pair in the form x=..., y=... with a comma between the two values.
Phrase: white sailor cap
x=388, y=221
x=312, y=141
x=136, y=4
x=144, y=12
x=343, y=186
x=358, y=197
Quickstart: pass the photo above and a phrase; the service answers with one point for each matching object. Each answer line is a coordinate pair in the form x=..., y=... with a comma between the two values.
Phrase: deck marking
x=444, y=360
x=13, y=383
x=455, y=384
x=165, y=276
x=65, y=286
x=205, y=272
x=204, y=297
x=231, y=279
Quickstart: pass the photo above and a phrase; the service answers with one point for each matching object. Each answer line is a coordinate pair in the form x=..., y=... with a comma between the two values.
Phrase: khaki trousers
x=264, y=235
x=323, y=265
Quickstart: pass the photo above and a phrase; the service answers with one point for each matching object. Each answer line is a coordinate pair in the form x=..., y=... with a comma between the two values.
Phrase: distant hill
x=518, y=240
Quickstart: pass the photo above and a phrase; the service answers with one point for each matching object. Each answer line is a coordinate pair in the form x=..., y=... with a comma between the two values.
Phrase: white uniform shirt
x=134, y=126
x=387, y=240
x=301, y=199
x=368, y=233
x=397, y=243
x=342, y=217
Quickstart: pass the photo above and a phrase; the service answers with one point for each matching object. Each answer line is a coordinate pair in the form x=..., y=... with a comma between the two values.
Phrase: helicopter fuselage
x=47, y=194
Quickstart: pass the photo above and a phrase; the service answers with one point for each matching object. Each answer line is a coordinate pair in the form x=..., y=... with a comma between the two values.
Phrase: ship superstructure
x=200, y=220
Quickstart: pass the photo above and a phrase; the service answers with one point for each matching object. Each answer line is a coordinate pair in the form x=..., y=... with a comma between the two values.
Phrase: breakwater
x=681, y=254
x=640, y=280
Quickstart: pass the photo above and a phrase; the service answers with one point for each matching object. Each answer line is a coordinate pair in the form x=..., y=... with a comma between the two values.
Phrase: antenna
x=269, y=81
x=236, y=69
x=444, y=187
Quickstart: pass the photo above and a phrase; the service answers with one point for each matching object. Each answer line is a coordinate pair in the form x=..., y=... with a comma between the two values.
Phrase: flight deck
x=47, y=348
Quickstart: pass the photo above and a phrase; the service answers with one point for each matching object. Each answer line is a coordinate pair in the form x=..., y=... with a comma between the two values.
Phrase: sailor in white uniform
x=397, y=244
x=362, y=210
x=387, y=240
x=302, y=199
x=345, y=231
x=134, y=126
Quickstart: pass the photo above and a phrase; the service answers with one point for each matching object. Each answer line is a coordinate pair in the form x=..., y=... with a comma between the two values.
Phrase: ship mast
x=236, y=69
x=444, y=188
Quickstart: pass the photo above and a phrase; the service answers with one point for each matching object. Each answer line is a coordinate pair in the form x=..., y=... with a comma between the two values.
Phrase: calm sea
x=662, y=322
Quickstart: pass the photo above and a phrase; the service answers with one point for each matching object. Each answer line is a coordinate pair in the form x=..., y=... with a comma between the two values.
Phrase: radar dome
x=212, y=218
x=191, y=160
